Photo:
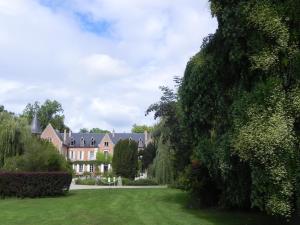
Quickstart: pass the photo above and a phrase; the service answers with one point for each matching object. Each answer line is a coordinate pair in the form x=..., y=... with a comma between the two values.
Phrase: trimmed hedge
x=34, y=184
x=140, y=182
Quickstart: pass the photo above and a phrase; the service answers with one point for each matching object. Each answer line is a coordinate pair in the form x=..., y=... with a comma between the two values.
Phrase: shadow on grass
x=225, y=217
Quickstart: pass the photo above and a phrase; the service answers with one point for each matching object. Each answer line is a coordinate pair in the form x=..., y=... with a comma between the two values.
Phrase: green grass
x=119, y=207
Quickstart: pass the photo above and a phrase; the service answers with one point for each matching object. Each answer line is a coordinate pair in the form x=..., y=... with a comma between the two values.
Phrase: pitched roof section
x=87, y=138
x=98, y=137
x=121, y=136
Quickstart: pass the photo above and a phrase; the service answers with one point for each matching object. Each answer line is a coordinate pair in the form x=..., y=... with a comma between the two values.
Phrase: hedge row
x=140, y=182
x=34, y=184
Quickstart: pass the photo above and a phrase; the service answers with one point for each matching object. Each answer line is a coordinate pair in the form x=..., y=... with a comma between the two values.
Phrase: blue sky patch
x=87, y=23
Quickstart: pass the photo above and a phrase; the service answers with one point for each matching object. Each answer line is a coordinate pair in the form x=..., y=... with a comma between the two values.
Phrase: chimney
x=70, y=133
x=113, y=133
x=65, y=136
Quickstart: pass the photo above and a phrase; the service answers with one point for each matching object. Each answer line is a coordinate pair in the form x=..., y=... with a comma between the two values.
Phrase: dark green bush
x=34, y=184
x=89, y=181
x=140, y=182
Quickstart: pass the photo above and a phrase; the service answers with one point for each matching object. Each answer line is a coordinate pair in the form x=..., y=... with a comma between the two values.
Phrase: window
x=72, y=143
x=91, y=168
x=81, y=155
x=71, y=154
x=105, y=168
x=80, y=167
x=49, y=139
x=92, y=155
x=82, y=142
x=106, y=143
x=93, y=142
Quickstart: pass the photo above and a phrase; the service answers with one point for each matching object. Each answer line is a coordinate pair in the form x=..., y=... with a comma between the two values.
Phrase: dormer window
x=93, y=142
x=106, y=143
x=82, y=142
x=72, y=143
x=130, y=139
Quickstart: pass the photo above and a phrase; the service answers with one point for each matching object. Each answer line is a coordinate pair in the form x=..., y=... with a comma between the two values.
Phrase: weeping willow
x=13, y=133
x=163, y=168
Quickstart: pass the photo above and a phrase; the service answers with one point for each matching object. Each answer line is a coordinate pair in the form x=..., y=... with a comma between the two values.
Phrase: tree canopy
x=141, y=128
x=240, y=100
x=94, y=130
x=48, y=112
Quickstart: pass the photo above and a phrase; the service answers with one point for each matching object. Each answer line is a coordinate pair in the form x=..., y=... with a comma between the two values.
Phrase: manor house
x=81, y=148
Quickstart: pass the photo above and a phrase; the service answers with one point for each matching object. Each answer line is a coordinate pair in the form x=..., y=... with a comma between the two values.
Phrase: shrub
x=125, y=158
x=140, y=182
x=89, y=181
x=34, y=184
x=39, y=156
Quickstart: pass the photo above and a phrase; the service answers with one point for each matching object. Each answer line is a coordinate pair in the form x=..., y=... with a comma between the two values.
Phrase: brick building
x=81, y=148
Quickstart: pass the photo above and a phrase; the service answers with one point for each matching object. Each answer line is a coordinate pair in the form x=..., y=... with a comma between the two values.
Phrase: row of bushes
x=125, y=181
x=140, y=182
x=34, y=184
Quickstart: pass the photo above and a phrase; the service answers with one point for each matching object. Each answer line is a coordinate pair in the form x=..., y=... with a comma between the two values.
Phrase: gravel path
x=81, y=187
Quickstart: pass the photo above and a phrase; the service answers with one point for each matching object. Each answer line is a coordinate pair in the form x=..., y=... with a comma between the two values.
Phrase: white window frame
x=80, y=168
x=92, y=155
x=91, y=169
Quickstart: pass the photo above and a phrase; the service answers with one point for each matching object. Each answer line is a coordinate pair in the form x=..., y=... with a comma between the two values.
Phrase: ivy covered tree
x=125, y=158
x=240, y=99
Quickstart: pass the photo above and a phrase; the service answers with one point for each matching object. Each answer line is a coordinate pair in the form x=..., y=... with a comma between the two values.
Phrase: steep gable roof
x=138, y=137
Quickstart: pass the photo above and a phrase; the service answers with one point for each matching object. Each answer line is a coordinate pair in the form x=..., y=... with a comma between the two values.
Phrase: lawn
x=119, y=207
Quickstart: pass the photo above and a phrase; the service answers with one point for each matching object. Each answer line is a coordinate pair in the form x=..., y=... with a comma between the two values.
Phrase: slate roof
x=140, y=138
x=35, y=125
x=121, y=136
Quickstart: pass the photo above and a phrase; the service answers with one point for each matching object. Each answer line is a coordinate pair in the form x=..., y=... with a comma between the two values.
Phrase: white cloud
x=101, y=65
x=105, y=78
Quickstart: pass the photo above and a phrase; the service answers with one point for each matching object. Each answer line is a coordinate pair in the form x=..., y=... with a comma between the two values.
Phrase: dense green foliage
x=125, y=158
x=20, y=151
x=34, y=184
x=240, y=100
x=94, y=130
x=148, y=155
x=103, y=158
x=39, y=155
x=121, y=206
x=162, y=164
x=141, y=128
x=13, y=136
x=170, y=138
x=48, y=112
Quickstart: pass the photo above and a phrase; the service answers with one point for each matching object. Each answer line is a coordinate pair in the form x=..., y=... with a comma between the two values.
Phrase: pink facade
x=82, y=149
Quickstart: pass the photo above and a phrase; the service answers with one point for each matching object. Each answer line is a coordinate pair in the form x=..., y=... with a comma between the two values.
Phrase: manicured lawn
x=119, y=207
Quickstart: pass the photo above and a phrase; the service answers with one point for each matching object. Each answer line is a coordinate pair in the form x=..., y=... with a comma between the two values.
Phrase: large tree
x=48, y=112
x=240, y=99
x=13, y=135
x=125, y=158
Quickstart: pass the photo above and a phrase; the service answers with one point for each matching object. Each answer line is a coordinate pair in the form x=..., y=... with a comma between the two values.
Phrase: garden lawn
x=119, y=207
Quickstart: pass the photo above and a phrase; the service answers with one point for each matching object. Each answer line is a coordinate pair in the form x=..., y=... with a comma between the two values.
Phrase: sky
x=103, y=60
